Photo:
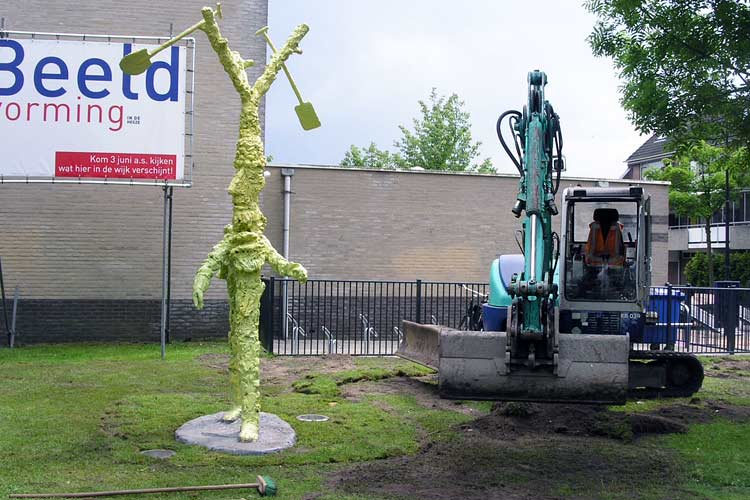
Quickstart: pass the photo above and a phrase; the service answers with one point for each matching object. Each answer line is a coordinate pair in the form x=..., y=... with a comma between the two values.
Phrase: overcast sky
x=366, y=63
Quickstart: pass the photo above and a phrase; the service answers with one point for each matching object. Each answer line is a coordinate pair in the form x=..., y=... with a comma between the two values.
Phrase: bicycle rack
x=331, y=338
x=296, y=332
x=367, y=331
x=399, y=334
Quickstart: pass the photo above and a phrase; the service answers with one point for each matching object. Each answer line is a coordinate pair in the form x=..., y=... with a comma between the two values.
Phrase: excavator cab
x=600, y=254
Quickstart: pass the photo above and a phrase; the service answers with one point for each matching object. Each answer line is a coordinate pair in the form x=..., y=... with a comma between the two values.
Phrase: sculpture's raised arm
x=263, y=83
x=231, y=60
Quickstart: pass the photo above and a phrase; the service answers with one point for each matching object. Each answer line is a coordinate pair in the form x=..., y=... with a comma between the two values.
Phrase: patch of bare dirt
x=731, y=368
x=477, y=467
x=512, y=420
x=545, y=445
x=286, y=369
x=215, y=361
x=424, y=390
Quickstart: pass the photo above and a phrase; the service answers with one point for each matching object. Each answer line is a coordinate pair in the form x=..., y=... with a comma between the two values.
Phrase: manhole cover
x=158, y=453
x=312, y=418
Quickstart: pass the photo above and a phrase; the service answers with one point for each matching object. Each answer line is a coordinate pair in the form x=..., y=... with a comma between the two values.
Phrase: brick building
x=687, y=235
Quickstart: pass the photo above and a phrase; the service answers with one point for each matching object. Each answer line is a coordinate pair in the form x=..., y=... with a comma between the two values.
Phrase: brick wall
x=345, y=224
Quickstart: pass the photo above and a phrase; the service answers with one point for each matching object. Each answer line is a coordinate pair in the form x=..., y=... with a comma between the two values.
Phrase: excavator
x=562, y=318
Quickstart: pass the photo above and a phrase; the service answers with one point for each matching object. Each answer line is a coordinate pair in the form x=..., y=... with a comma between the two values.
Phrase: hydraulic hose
x=516, y=160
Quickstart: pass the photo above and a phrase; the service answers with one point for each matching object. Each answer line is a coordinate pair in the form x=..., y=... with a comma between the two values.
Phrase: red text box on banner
x=115, y=165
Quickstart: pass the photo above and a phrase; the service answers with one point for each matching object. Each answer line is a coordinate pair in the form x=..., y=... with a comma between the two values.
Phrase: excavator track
x=669, y=374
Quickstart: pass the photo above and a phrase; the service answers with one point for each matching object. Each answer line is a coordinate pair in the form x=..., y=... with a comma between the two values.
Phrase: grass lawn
x=75, y=417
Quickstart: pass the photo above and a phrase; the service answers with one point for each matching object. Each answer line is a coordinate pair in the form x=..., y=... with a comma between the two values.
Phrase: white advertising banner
x=68, y=111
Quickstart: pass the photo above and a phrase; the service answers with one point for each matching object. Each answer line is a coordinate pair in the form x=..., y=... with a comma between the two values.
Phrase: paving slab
x=210, y=432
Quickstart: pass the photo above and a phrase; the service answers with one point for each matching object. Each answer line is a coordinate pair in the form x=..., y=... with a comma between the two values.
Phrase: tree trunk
x=709, y=260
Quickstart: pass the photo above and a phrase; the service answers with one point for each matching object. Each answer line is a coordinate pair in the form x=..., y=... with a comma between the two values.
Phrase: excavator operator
x=605, y=245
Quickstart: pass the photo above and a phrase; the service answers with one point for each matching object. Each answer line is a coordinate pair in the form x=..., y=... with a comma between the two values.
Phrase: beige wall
x=350, y=224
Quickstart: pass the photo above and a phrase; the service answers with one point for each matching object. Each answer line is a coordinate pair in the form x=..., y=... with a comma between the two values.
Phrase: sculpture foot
x=248, y=432
x=232, y=415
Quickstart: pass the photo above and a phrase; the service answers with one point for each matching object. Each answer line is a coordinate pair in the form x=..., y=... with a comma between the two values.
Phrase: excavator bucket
x=474, y=365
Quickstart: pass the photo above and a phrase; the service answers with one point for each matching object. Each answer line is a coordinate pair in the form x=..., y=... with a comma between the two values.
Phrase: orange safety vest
x=598, y=246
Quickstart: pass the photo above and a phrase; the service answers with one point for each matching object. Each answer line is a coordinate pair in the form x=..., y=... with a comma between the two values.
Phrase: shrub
x=696, y=270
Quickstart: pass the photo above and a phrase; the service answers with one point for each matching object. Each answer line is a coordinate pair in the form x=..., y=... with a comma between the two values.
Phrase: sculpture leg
x=249, y=357
x=235, y=391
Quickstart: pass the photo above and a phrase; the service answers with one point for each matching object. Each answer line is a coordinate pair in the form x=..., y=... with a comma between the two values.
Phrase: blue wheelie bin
x=660, y=301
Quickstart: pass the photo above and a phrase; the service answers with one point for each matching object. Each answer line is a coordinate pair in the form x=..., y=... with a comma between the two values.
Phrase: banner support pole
x=166, y=266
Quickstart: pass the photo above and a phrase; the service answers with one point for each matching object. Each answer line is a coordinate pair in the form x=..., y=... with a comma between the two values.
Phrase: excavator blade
x=473, y=365
x=420, y=344
x=590, y=369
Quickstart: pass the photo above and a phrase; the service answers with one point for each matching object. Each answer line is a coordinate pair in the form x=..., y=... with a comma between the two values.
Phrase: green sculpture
x=240, y=255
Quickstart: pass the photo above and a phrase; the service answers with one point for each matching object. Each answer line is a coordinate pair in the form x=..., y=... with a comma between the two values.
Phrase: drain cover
x=312, y=418
x=158, y=453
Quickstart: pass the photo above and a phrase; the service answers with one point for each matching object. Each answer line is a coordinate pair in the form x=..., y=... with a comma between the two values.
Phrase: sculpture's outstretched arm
x=263, y=83
x=284, y=267
x=233, y=63
x=207, y=271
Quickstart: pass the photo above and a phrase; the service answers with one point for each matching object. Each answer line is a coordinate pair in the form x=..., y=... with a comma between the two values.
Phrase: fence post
x=731, y=322
x=266, y=315
x=689, y=327
x=670, y=339
x=419, y=302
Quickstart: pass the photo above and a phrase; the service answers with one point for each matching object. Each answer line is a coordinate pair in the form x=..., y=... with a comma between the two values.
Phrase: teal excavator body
x=561, y=316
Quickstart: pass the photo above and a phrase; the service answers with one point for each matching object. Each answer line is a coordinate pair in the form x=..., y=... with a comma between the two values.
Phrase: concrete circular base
x=209, y=431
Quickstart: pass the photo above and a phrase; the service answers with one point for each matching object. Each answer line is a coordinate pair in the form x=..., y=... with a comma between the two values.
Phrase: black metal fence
x=700, y=320
x=359, y=317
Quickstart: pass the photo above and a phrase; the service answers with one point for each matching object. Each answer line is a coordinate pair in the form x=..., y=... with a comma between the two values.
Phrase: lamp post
x=726, y=225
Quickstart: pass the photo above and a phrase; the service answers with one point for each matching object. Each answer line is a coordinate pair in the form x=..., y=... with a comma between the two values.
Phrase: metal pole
x=5, y=310
x=726, y=226
x=271, y=311
x=164, y=279
x=287, y=174
x=16, y=293
x=169, y=263
x=669, y=340
x=419, y=302
x=166, y=302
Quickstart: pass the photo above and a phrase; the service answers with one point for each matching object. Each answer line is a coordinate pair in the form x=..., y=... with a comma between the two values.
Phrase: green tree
x=441, y=140
x=683, y=63
x=370, y=157
x=697, y=178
